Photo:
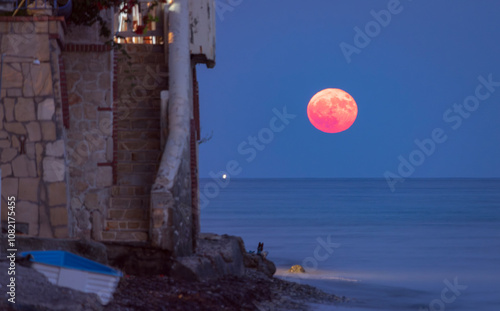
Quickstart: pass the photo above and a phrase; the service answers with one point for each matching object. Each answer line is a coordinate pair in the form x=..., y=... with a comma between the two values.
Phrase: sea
x=431, y=244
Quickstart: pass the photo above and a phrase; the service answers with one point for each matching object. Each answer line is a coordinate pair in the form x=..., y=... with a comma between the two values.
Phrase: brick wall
x=139, y=81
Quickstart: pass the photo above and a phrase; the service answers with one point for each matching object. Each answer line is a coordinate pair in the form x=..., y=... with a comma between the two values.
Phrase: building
x=95, y=144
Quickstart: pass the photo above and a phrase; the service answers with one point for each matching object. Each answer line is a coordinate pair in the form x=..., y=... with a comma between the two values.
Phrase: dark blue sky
x=405, y=80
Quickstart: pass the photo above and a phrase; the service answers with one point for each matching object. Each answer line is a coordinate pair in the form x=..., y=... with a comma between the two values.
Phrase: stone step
x=148, y=75
x=137, y=91
x=127, y=134
x=128, y=202
x=134, y=168
x=126, y=104
x=138, y=145
x=138, y=124
x=136, y=179
x=133, y=98
x=125, y=235
x=150, y=59
x=142, y=48
x=140, y=113
x=130, y=224
x=130, y=191
x=127, y=225
x=140, y=81
x=137, y=72
x=140, y=156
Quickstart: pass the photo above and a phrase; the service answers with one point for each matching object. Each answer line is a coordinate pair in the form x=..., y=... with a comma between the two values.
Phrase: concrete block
x=58, y=216
x=54, y=169
x=57, y=193
x=28, y=189
x=48, y=130
x=55, y=149
x=34, y=133
x=24, y=110
x=8, y=154
x=15, y=128
x=10, y=187
x=46, y=109
x=23, y=166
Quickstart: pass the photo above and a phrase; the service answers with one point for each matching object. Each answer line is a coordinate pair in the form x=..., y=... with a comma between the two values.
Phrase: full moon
x=332, y=110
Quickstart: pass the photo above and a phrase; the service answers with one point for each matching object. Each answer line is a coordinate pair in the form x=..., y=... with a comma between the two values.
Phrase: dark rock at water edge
x=139, y=259
x=217, y=256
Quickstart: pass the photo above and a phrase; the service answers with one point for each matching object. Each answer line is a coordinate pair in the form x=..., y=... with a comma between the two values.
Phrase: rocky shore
x=253, y=291
x=221, y=276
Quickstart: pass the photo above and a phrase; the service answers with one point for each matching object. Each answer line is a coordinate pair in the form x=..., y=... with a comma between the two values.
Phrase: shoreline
x=221, y=276
x=252, y=291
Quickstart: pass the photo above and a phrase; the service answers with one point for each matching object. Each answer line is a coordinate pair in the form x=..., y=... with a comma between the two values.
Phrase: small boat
x=69, y=270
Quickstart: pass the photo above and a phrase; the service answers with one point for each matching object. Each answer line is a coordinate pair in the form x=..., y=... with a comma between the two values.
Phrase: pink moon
x=332, y=110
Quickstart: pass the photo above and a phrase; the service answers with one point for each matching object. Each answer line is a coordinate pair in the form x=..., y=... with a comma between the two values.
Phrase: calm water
x=401, y=250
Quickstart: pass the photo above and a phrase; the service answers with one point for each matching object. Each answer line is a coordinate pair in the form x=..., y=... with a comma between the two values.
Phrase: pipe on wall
x=179, y=112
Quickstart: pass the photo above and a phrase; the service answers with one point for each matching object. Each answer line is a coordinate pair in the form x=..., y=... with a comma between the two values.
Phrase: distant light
x=224, y=176
x=36, y=61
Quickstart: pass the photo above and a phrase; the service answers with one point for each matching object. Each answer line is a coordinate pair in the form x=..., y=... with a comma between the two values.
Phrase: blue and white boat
x=69, y=270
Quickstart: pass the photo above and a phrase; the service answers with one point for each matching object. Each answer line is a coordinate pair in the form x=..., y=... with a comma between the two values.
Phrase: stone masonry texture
x=80, y=136
x=32, y=149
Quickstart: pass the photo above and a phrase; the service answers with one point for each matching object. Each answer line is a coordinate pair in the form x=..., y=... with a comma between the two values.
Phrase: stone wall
x=88, y=65
x=32, y=148
x=89, y=139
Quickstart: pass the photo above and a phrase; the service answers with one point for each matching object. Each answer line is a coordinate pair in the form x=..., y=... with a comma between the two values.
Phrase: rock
x=253, y=291
x=218, y=256
x=196, y=268
x=229, y=248
x=297, y=269
x=259, y=263
x=138, y=259
x=209, y=236
x=35, y=292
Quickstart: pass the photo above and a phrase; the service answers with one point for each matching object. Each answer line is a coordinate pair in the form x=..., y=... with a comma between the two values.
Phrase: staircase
x=139, y=81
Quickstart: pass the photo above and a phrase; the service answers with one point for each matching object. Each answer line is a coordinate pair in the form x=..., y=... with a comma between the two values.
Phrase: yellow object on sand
x=297, y=269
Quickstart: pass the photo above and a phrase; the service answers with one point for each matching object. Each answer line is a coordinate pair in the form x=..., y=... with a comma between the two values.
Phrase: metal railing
x=126, y=25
